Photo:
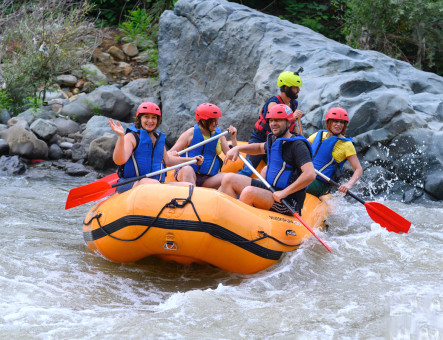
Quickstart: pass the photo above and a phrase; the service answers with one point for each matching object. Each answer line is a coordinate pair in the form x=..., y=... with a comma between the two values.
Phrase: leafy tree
x=40, y=40
x=404, y=29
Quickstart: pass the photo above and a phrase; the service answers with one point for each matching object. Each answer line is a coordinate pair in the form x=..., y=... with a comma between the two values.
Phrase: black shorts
x=280, y=208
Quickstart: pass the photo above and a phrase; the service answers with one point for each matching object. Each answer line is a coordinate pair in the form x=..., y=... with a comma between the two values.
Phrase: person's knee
x=247, y=195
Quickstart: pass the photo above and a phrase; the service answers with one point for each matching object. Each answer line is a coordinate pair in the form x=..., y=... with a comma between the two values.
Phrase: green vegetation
x=404, y=29
x=40, y=40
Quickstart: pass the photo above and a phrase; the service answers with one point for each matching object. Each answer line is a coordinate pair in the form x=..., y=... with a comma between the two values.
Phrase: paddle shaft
x=155, y=173
x=192, y=147
x=297, y=216
x=338, y=186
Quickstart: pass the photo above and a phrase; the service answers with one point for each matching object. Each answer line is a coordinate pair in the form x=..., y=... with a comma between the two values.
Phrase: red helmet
x=207, y=111
x=280, y=111
x=337, y=113
x=148, y=107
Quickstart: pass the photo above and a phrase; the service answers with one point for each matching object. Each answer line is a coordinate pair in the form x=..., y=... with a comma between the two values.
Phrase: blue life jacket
x=278, y=173
x=212, y=163
x=146, y=157
x=323, y=160
x=262, y=127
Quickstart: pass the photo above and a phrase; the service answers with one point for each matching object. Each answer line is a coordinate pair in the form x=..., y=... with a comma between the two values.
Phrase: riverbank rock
x=234, y=55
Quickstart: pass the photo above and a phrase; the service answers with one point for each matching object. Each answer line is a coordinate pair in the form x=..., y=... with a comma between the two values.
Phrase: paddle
x=113, y=178
x=378, y=212
x=293, y=212
x=94, y=191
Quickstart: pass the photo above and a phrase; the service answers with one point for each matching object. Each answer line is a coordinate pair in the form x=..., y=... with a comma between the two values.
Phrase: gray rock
x=44, y=129
x=66, y=126
x=79, y=152
x=24, y=143
x=98, y=126
x=4, y=147
x=67, y=80
x=4, y=116
x=233, y=58
x=110, y=101
x=32, y=114
x=76, y=169
x=100, y=152
x=434, y=183
x=12, y=165
x=55, y=152
x=93, y=74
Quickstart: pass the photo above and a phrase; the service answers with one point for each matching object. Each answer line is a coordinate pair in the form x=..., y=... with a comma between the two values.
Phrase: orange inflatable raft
x=188, y=224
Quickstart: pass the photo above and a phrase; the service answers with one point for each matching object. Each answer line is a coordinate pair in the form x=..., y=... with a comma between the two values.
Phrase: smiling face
x=336, y=126
x=149, y=121
x=278, y=126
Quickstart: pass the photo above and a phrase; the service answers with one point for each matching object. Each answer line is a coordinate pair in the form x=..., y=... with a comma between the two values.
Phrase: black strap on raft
x=174, y=203
x=181, y=203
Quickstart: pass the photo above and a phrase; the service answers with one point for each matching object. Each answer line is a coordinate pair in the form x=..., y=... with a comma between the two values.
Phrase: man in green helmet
x=289, y=84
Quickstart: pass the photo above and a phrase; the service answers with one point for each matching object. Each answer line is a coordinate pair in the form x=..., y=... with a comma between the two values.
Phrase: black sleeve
x=296, y=154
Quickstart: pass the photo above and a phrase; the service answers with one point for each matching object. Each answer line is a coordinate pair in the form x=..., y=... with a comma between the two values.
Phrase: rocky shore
x=220, y=52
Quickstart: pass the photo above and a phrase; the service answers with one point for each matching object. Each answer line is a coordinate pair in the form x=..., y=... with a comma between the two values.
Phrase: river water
x=374, y=285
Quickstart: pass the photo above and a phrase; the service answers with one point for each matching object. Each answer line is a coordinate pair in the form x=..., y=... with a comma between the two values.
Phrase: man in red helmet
x=208, y=173
x=289, y=167
x=331, y=149
x=141, y=150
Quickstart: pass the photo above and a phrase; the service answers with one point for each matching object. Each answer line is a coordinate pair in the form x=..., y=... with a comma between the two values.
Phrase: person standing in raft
x=289, y=167
x=289, y=84
x=206, y=174
x=331, y=149
x=142, y=149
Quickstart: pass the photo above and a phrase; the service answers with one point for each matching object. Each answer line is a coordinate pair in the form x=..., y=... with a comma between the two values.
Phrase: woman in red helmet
x=289, y=167
x=331, y=149
x=206, y=174
x=142, y=149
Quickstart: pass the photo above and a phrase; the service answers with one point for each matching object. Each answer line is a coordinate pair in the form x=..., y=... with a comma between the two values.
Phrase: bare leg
x=257, y=197
x=187, y=174
x=214, y=182
x=233, y=184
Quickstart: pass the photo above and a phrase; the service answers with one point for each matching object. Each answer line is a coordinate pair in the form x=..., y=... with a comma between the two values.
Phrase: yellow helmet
x=289, y=78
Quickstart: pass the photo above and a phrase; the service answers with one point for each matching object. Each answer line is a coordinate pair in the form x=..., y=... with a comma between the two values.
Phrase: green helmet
x=289, y=78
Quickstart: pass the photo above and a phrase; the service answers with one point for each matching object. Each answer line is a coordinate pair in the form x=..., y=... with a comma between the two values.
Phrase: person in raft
x=206, y=174
x=331, y=149
x=141, y=150
x=289, y=84
x=289, y=167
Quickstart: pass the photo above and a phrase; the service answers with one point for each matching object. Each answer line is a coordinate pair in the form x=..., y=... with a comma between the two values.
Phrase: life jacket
x=212, y=163
x=146, y=157
x=262, y=126
x=322, y=158
x=279, y=173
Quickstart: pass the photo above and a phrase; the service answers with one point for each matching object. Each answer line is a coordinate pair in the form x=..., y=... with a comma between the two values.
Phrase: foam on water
x=374, y=284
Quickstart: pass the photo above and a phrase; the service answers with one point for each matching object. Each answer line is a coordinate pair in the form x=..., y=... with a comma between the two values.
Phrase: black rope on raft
x=174, y=203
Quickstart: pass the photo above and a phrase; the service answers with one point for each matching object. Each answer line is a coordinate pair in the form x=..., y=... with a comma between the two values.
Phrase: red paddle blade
x=387, y=218
x=86, y=193
x=111, y=179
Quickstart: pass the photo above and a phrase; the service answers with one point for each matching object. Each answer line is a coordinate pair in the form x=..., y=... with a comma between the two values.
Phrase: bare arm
x=182, y=142
x=171, y=160
x=252, y=149
x=224, y=144
x=358, y=171
x=125, y=143
x=306, y=178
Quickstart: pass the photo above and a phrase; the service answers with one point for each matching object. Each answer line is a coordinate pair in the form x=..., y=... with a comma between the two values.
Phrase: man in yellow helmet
x=289, y=84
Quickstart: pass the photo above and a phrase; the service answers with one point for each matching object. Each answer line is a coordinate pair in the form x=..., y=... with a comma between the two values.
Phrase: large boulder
x=108, y=101
x=24, y=143
x=100, y=152
x=228, y=54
